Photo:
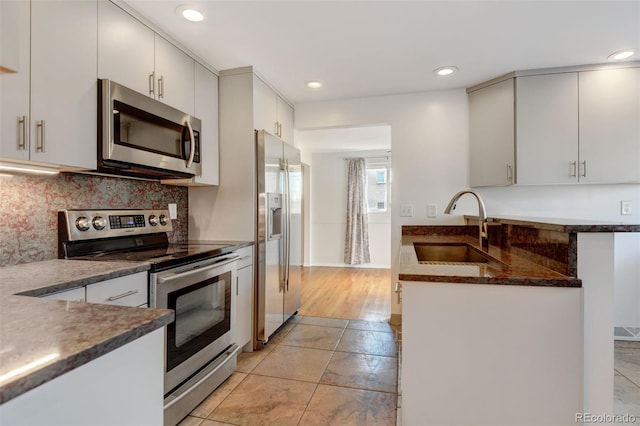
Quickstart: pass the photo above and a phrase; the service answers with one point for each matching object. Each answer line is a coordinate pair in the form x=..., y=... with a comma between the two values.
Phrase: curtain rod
x=368, y=158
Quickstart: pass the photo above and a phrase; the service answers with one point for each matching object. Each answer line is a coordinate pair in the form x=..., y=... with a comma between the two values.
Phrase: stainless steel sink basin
x=449, y=253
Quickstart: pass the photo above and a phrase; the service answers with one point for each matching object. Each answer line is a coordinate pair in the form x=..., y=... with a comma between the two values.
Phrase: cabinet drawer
x=74, y=295
x=130, y=290
x=246, y=257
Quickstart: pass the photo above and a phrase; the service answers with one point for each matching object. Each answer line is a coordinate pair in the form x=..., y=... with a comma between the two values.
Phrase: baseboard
x=396, y=319
x=344, y=265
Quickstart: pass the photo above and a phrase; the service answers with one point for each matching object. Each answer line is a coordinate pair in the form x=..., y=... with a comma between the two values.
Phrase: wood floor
x=347, y=293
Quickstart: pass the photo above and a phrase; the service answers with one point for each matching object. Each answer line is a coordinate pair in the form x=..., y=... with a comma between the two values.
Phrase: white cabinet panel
x=244, y=292
x=206, y=109
x=285, y=120
x=73, y=295
x=265, y=114
x=610, y=125
x=125, y=48
x=547, y=128
x=174, y=76
x=14, y=87
x=491, y=126
x=130, y=290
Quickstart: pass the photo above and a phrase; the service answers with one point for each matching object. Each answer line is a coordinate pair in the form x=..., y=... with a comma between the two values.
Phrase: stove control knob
x=99, y=223
x=83, y=223
x=163, y=220
x=153, y=220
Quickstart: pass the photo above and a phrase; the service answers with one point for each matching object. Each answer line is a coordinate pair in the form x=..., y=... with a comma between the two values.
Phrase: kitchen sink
x=449, y=253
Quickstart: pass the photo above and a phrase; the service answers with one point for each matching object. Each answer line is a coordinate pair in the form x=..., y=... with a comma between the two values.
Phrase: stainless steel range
x=195, y=279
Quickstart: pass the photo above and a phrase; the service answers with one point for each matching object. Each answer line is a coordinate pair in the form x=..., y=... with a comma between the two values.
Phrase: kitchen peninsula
x=526, y=332
x=55, y=350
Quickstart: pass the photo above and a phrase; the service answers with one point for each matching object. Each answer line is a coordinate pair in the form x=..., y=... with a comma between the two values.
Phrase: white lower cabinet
x=477, y=354
x=130, y=290
x=244, y=299
x=122, y=387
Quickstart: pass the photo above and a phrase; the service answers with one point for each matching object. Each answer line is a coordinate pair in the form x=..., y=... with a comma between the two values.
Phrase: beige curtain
x=356, y=247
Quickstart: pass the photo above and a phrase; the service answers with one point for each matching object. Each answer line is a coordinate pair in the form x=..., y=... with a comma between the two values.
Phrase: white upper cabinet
x=48, y=108
x=125, y=49
x=610, y=125
x=174, y=73
x=14, y=87
x=206, y=109
x=132, y=54
x=491, y=126
x=271, y=112
x=547, y=128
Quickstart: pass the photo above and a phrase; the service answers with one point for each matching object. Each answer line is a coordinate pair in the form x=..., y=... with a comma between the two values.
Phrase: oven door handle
x=223, y=260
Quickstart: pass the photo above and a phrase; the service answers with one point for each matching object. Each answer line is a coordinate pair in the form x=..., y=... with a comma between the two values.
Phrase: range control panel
x=91, y=224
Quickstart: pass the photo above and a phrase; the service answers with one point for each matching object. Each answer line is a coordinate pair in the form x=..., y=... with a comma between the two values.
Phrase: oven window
x=203, y=314
x=141, y=130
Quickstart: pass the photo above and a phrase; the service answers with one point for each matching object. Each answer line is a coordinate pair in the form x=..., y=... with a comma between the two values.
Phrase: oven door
x=204, y=303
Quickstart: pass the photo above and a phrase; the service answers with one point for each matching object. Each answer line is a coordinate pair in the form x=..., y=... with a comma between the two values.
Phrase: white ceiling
x=371, y=48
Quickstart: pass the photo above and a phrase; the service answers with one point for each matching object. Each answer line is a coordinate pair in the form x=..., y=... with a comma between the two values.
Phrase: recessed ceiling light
x=190, y=13
x=621, y=55
x=443, y=71
x=314, y=84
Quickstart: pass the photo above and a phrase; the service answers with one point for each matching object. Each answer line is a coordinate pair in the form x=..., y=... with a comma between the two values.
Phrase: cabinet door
x=14, y=87
x=547, y=128
x=491, y=121
x=206, y=109
x=63, y=82
x=174, y=76
x=610, y=125
x=125, y=49
x=244, y=306
x=285, y=118
x=265, y=114
x=130, y=290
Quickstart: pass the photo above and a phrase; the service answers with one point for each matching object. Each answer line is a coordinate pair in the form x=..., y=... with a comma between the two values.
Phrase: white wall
x=328, y=210
x=430, y=144
x=627, y=285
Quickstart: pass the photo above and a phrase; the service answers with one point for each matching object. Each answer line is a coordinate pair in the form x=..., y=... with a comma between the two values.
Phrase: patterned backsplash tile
x=29, y=208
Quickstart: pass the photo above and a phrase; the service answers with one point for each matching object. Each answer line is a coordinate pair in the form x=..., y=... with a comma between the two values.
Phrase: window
x=378, y=188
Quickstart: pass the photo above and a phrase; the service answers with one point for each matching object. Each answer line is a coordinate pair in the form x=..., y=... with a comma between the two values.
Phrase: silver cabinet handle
x=40, y=146
x=276, y=128
x=152, y=83
x=120, y=296
x=161, y=87
x=398, y=291
x=237, y=286
x=584, y=168
x=574, y=171
x=192, y=152
x=509, y=173
x=22, y=135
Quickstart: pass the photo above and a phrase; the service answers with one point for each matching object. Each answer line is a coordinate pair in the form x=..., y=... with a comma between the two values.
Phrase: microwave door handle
x=193, y=145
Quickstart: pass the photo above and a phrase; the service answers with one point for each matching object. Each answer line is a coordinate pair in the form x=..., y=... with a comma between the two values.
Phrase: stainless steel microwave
x=140, y=136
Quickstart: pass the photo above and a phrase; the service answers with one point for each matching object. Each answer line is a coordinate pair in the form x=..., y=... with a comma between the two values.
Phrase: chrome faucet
x=484, y=230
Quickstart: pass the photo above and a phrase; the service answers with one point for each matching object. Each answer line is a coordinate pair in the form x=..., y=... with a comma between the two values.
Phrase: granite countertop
x=53, y=337
x=562, y=225
x=506, y=269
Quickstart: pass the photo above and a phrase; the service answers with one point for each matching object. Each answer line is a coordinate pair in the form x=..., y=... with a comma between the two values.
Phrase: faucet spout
x=482, y=213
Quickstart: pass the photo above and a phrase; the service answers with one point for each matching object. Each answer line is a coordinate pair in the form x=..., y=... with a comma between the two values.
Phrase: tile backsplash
x=29, y=208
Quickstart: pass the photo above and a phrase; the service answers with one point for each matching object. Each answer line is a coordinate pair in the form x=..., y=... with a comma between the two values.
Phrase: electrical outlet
x=432, y=211
x=625, y=207
x=406, y=210
x=173, y=211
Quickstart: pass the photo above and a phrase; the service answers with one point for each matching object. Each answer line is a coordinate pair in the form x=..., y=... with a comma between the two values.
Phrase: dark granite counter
x=506, y=267
x=42, y=339
x=561, y=225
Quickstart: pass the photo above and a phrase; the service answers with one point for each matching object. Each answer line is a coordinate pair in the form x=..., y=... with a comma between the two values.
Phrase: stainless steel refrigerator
x=279, y=233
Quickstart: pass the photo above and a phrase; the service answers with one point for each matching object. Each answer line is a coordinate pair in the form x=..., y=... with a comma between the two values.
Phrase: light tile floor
x=627, y=378
x=314, y=371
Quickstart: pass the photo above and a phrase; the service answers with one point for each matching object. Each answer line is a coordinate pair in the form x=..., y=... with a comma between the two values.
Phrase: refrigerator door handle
x=288, y=224
x=283, y=239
